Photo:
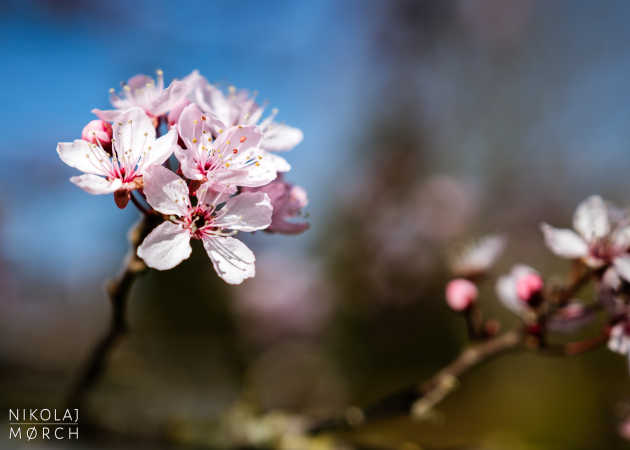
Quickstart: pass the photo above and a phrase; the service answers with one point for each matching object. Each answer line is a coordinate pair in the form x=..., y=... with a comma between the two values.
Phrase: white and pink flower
x=134, y=149
x=144, y=92
x=231, y=158
x=602, y=238
x=288, y=202
x=214, y=218
x=239, y=108
x=619, y=340
x=517, y=289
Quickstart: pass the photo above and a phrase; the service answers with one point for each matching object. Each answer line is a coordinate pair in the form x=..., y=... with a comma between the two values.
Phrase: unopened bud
x=97, y=131
x=529, y=286
x=460, y=294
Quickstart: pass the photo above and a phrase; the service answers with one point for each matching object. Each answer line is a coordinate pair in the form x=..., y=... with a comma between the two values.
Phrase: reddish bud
x=529, y=286
x=97, y=131
x=460, y=294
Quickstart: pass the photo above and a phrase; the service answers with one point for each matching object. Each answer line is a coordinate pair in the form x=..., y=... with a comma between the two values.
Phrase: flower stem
x=420, y=399
x=118, y=291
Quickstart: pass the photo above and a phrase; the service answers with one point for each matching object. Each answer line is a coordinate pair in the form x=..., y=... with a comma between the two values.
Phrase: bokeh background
x=426, y=123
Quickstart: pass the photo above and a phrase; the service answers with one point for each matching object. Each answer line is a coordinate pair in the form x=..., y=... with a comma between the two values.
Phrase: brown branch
x=118, y=291
x=421, y=398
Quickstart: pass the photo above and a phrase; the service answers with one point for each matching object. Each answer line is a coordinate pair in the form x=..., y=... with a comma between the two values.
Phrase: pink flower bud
x=528, y=286
x=460, y=294
x=97, y=130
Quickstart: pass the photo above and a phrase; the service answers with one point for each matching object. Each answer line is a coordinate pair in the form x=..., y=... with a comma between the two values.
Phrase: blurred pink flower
x=507, y=288
x=150, y=95
x=619, y=340
x=214, y=220
x=528, y=286
x=134, y=149
x=288, y=201
x=602, y=238
x=460, y=294
x=478, y=257
x=287, y=297
x=233, y=158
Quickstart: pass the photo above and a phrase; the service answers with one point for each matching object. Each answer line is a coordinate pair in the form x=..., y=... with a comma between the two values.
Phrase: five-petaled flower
x=231, y=158
x=239, y=108
x=213, y=217
x=144, y=92
x=602, y=238
x=134, y=149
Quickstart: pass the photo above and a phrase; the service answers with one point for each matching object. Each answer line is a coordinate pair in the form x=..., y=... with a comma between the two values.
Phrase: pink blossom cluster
x=598, y=245
x=229, y=176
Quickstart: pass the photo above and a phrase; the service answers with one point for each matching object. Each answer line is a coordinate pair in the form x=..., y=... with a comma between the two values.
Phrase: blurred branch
x=420, y=399
x=118, y=291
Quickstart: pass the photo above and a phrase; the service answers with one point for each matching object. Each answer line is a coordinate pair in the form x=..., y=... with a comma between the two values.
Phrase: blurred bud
x=529, y=286
x=98, y=131
x=460, y=294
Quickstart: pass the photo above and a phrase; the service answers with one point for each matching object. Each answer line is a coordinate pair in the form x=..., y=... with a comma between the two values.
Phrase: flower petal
x=591, y=218
x=249, y=211
x=232, y=260
x=279, y=137
x=564, y=243
x=84, y=156
x=194, y=129
x=110, y=115
x=96, y=185
x=166, y=246
x=133, y=133
x=279, y=163
x=622, y=264
x=165, y=191
x=161, y=149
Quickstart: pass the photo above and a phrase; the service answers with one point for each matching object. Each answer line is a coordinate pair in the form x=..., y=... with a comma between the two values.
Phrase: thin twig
x=421, y=398
x=118, y=291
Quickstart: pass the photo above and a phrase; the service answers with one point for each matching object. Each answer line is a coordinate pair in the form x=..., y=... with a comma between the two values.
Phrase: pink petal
x=165, y=191
x=232, y=260
x=249, y=211
x=166, y=246
x=96, y=185
x=83, y=156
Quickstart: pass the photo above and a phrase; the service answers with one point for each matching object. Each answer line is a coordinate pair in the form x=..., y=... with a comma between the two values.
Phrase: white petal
x=212, y=99
x=591, y=218
x=133, y=132
x=165, y=191
x=249, y=211
x=565, y=243
x=81, y=155
x=232, y=260
x=161, y=149
x=166, y=246
x=96, y=185
x=506, y=291
x=279, y=163
x=280, y=137
x=611, y=278
x=622, y=264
